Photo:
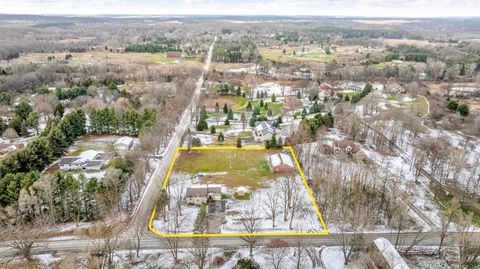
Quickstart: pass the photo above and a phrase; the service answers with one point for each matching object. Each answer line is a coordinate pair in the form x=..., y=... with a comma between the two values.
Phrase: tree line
x=111, y=121
x=20, y=169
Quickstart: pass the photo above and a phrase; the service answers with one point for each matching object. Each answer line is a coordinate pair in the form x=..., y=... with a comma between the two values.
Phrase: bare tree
x=276, y=252
x=272, y=204
x=450, y=214
x=251, y=223
x=199, y=251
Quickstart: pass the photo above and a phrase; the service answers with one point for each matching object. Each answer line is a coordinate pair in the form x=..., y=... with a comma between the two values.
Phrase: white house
x=87, y=160
x=202, y=194
x=124, y=143
x=263, y=130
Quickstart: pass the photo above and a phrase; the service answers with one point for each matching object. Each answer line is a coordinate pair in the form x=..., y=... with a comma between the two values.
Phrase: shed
x=124, y=143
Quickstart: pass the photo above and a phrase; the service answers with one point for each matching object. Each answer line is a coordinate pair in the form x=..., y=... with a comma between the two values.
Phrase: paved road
x=149, y=242
x=142, y=212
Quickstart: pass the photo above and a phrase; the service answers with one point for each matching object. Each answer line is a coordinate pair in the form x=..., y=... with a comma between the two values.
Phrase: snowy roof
x=280, y=158
x=390, y=254
x=89, y=155
x=242, y=189
x=264, y=127
x=125, y=140
x=203, y=190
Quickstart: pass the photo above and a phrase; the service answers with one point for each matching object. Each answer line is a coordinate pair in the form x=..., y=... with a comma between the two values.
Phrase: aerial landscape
x=263, y=134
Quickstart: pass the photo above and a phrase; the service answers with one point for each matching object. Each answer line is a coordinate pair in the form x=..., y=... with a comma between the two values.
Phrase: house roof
x=125, y=140
x=264, y=127
x=345, y=143
x=242, y=189
x=93, y=163
x=68, y=160
x=280, y=159
x=390, y=254
x=203, y=190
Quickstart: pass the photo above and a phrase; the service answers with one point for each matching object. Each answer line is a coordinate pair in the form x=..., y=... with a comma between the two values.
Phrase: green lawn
x=243, y=167
x=239, y=100
x=418, y=106
x=275, y=107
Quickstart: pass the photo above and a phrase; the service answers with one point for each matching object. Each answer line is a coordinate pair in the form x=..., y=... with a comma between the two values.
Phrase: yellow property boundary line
x=324, y=232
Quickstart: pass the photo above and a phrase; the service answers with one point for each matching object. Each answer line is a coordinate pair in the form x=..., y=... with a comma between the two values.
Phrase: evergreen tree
x=212, y=129
x=202, y=125
x=57, y=142
x=227, y=122
x=249, y=106
x=225, y=108
x=33, y=120
x=221, y=137
x=230, y=114
x=347, y=98
x=464, y=110
x=304, y=113
x=299, y=95
x=23, y=109
x=452, y=105
x=261, y=102
x=265, y=106
x=269, y=113
x=462, y=70
x=59, y=110
x=217, y=108
x=239, y=142
x=274, y=98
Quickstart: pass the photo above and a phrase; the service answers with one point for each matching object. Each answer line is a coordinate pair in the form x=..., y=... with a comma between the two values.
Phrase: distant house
x=464, y=92
x=263, y=130
x=325, y=87
x=281, y=163
x=124, y=143
x=345, y=146
x=88, y=160
x=6, y=149
x=174, y=54
x=390, y=258
x=350, y=86
x=202, y=194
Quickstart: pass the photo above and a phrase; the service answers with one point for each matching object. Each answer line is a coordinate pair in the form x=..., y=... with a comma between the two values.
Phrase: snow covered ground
x=305, y=218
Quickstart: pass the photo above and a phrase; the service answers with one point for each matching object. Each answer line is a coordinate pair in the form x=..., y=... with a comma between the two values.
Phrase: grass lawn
x=238, y=99
x=442, y=199
x=243, y=167
x=418, y=106
x=275, y=107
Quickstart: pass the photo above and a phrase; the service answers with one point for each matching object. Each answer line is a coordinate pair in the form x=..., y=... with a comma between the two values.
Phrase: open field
x=396, y=42
x=231, y=168
x=313, y=54
x=385, y=22
x=93, y=57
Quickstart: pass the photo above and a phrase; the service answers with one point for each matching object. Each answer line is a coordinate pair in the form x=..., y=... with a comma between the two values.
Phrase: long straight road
x=153, y=242
x=142, y=212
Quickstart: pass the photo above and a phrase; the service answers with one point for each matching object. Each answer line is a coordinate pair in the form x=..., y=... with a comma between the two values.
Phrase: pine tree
x=261, y=102
x=59, y=111
x=304, y=113
x=464, y=110
x=265, y=106
x=221, y=137
x=299, y=95
x=230, y=114
x=227, y=122
x=225, y=108
x=274, y=98
x=57, y=142
x=462, y=70
x=212, y=129
x=239, y=142
x=249, y=106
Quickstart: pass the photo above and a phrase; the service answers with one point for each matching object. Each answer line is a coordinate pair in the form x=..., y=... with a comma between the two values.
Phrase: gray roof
x=265, y=127
x=203, y=190
x=68, y=160
x=93, y=163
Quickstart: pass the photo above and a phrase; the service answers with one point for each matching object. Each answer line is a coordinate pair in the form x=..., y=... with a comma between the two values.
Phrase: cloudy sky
x=367, y=8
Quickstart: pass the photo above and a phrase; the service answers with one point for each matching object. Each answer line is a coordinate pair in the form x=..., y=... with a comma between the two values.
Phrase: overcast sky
x=367, y=8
